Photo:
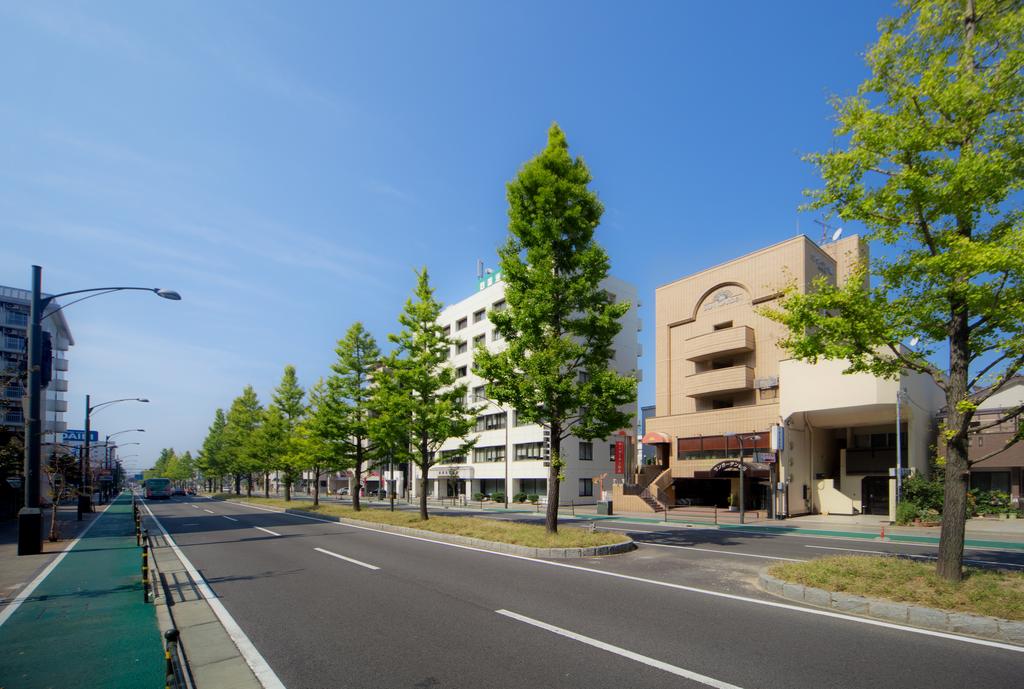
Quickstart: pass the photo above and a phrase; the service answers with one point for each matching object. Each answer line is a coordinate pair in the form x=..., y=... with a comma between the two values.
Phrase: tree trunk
x=287, y=488
x=248, y=485
x=266, y=484
x=425, y=466
x=238, y=484
x=551, y=514
x=358, y=471
x=316, y=488
x=954, y=509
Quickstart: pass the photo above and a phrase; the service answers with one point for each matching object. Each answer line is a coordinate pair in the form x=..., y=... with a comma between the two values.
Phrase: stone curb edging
x=893, y=611
x=552, y=553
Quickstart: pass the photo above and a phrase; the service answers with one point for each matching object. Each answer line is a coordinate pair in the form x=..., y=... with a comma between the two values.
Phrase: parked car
x=178, y=491
x=341, y=491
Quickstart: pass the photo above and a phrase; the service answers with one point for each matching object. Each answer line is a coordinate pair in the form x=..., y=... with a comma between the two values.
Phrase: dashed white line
x=272, y=533
x=210, y=511
x=195, y=507
x=227, y=517
x=646, y=660
x=346, y=559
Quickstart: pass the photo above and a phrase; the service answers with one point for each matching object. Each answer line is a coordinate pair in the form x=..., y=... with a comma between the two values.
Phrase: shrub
x=519, y=497
x=478, y=497
x=906, y=512
x=533, y=499
x=498, y=497
x=923, y=492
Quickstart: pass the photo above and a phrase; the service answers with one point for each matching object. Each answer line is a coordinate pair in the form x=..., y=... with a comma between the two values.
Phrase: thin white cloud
x=385, y=189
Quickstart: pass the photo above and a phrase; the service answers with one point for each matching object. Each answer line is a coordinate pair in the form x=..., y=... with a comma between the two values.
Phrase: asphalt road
x=380, y=610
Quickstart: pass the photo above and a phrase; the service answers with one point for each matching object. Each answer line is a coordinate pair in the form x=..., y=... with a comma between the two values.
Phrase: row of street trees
x=559, y=326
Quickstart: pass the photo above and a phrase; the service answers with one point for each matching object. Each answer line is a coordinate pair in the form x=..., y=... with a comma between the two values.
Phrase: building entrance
x=875, y=490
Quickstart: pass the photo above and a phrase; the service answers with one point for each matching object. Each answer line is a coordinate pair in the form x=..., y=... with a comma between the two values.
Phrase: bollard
x=572, y=505
x=666, y=514
x=171, y=635
x=145, y=565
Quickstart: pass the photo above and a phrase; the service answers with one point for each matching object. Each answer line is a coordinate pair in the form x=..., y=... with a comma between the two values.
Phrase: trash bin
x=604, y=507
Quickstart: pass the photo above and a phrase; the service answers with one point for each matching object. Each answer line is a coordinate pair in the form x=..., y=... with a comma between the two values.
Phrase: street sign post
x=78, y=436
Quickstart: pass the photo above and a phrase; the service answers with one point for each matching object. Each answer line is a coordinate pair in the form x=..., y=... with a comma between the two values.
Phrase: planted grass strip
x=528, y=535
x=982, y=591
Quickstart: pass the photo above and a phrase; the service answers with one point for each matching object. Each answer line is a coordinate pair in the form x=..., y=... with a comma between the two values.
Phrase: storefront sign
x=765, y=457
x=620, y=457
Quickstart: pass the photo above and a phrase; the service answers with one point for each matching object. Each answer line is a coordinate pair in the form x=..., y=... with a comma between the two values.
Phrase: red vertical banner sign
x=620, y=457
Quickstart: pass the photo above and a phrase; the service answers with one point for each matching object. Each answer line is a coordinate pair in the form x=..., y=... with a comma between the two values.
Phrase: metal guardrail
x=175, y=675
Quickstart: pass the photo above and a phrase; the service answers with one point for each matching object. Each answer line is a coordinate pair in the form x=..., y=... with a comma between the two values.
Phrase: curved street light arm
x=95, y=407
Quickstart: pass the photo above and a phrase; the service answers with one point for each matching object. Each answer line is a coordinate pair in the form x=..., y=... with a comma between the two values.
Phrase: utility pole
x=30, y=517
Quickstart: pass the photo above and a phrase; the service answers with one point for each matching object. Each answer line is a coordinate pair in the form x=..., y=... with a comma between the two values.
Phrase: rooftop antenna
x=825, y=227
x=479, y=268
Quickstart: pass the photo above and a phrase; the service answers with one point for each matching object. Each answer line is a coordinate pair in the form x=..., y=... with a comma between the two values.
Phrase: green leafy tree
x=320, y=443
x=213, y=461
x=417, y=387
x=240, y=448
x=931, y=163
x=560, y=322
x=289, y=398
x=269, y=444
x=350, y=386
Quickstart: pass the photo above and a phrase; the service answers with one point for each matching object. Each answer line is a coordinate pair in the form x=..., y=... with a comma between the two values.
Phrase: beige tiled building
x=725, y=388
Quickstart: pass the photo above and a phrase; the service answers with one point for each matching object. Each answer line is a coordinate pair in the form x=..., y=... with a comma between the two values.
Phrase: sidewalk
x=86, y=624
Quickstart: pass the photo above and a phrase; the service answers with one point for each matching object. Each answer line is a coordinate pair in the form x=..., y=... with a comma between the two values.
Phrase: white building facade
x=509, y=455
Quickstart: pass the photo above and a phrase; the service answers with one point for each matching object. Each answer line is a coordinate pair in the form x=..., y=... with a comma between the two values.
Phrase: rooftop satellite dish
x=837, y=234
x=914, y=340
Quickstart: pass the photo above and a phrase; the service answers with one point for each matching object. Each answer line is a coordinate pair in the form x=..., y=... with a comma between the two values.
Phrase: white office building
x=509, y=455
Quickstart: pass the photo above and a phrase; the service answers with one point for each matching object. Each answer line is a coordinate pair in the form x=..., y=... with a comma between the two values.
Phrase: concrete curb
x=901, y=613
x=551, y=553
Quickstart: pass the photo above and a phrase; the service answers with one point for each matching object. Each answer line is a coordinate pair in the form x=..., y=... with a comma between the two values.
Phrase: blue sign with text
x=79, y=436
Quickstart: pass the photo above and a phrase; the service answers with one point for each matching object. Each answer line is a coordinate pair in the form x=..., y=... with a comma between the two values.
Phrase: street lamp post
x=85, y=496
x=30, y=517
x=106, y=448
x=739, y=437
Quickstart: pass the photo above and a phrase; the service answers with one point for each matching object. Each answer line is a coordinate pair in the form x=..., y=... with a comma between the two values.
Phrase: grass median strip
x=982, y=591
x=528, y=535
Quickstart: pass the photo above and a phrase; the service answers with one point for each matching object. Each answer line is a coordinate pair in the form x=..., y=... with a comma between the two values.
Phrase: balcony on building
x=53, y=405
x=60, y=364
x=58, y=385
x=720, y=381
x=719, y=343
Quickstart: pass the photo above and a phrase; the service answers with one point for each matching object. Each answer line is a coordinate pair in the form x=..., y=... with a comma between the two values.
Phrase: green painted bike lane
x=86, y=624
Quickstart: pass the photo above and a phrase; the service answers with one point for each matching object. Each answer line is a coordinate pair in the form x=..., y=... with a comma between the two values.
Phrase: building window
x=479, y=315
x=518, y=420
x=527, y=451
x=586, y=451
x=461, y=324
x=723, y=326
x=991, y=480
x=479, y=340
x=533, y=486
x=722, y=404
x=495, y=453
x=498, y=305
x=461, y=372
x=586, y=487
x=447, y=330
x=453, y=457
x=480, y=393
x=611, y=451
x=461, y=347
x=490, y=422
x=495, y=335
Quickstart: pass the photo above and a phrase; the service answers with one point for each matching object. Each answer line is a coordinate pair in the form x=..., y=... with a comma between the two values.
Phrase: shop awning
x=655, y=438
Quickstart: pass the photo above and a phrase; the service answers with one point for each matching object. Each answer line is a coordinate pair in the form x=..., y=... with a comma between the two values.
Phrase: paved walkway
x=85, y=624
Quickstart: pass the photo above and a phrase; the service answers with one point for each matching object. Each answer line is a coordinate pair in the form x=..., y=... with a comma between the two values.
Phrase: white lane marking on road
x=346, y=559
x=680, y=587
x=994, y=563
x=720, y=552
x=210, y=511
x=617, y=650
x=6, y=613
x=227, y=517
x=272, y=533
x=195, y=507
x=259, y=666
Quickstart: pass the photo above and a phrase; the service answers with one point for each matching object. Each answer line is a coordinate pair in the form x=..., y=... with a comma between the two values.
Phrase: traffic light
x=46, y=361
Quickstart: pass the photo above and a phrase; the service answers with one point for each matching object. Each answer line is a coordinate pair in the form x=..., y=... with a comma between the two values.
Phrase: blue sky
x=285, y=166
